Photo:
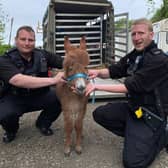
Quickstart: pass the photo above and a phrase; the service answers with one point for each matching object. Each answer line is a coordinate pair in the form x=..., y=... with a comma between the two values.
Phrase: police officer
x=24, y=73
x=142, y=118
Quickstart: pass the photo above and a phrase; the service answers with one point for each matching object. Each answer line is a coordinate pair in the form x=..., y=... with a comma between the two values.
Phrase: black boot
x=45, y=130
x=8, y=137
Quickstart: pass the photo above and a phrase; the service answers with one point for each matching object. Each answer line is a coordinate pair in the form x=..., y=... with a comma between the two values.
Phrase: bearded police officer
x=141, y=119
x=26, y=86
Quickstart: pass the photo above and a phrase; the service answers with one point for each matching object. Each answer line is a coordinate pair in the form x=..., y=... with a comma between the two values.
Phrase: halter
x=81, y=75
x=77, y=75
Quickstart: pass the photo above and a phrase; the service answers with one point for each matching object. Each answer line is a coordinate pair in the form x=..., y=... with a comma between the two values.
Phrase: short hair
x=27, y=28
x=143, y=21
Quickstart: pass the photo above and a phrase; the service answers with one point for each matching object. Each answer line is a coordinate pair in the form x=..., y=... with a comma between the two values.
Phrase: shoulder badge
x=11, y=50
x=156, y=51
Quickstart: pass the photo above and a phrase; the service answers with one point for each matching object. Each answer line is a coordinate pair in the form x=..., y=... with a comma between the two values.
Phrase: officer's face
x=141, y=36
x=25, y=41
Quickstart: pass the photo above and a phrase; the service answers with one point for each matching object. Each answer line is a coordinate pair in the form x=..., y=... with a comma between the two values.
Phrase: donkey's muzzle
x=81, y=89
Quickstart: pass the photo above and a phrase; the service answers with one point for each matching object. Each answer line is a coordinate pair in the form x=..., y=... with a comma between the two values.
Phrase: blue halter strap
x=78, y=75
x=81, y=75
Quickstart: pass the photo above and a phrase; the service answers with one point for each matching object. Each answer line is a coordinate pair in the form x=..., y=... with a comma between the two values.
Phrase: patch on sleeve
x=156, y=51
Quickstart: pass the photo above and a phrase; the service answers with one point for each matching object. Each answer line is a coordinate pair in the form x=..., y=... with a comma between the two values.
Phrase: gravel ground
x=101, y=149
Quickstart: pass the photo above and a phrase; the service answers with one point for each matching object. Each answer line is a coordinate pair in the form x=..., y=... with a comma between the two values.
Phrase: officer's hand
x=89, y=88
x=59, y=78
x=93, y=73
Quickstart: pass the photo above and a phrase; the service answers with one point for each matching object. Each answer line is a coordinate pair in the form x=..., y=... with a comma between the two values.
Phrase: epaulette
x=36, y=49
x=156, y=51
x=11, y=50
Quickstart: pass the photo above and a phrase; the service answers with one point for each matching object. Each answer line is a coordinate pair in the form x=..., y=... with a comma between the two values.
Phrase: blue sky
x=30, y=12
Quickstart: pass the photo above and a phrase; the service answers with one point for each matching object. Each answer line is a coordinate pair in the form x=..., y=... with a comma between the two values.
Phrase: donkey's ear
x=83, y=43
x=67, y=43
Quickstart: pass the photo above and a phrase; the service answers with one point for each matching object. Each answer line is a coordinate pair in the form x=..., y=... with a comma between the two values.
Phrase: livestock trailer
x=93, y=19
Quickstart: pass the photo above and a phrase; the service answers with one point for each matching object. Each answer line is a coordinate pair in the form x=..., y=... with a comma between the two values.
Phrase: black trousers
x=141, y=143
x=12, y=107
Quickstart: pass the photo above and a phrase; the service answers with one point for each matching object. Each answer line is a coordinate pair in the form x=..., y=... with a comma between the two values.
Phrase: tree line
x=160, y=13
x=3, y=21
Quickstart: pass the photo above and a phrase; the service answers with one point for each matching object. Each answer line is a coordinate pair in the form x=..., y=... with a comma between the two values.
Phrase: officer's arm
x=25, y=81
x=115, y=88
x=102, y=73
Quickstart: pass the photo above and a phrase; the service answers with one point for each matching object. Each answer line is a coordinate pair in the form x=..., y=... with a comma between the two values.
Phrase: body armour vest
x=38, y=69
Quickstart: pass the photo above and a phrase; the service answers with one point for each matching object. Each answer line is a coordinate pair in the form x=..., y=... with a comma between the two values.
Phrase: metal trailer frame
x=91, y=18
x=121, y=35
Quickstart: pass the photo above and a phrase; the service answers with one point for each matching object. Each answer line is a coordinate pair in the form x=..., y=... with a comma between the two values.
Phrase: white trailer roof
x=161, y=25
x=94, y=6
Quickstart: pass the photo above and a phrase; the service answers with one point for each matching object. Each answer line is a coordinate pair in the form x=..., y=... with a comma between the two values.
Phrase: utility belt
x=148, y=103
x=27, y=92
x=153, y=121
x=150, y=118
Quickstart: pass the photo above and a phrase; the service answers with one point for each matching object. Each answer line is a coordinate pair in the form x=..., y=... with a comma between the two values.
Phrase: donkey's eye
x=70, y=68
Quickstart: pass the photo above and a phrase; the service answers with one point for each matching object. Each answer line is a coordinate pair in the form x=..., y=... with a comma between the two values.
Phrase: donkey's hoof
x=67, y=151
x=78, y=150
x=67, y=154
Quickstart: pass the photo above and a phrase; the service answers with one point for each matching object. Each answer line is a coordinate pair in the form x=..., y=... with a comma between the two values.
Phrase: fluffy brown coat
x=73, y=103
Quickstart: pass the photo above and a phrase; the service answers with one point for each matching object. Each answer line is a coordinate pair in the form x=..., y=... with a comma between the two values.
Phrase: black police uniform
x=17, y=101
x=145, y=72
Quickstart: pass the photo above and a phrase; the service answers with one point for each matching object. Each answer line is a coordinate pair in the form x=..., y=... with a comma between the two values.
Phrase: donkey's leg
x=68, y=125
x=78, y=129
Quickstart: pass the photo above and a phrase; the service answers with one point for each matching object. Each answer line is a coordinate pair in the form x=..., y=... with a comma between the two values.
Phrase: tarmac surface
x=101, y=149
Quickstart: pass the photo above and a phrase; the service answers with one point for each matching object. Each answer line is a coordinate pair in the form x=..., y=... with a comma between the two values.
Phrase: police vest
x=39, y=69
x=158, y=102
